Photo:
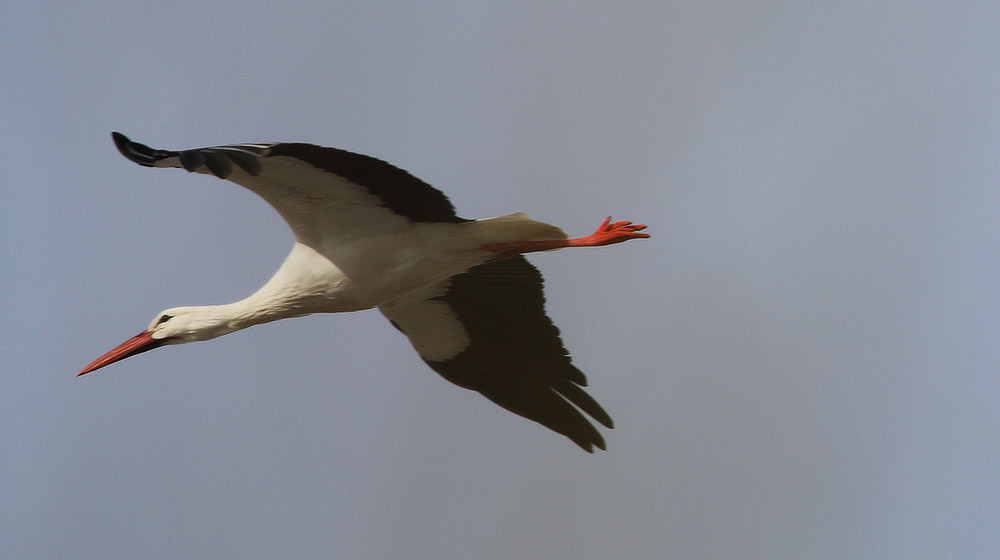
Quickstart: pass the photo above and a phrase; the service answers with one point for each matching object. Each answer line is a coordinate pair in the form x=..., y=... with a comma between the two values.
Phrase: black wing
x=486, y=330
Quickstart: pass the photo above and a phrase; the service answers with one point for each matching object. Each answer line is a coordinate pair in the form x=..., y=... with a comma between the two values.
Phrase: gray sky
x=801, y=363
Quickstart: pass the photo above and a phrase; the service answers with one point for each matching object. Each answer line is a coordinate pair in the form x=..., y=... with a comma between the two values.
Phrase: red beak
x=136, y=345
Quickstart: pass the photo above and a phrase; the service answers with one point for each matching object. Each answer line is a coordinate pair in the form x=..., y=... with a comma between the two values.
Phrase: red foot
x=610, y=233
x=606, y=234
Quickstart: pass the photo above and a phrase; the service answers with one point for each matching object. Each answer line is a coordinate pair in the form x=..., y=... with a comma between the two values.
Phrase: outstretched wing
x=325, y=192
x=486, y=330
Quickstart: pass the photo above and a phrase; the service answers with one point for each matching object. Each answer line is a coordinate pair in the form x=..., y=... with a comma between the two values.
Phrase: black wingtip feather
x=574, y=394
x=218, y=164
x=139, y=153
x=192, y=159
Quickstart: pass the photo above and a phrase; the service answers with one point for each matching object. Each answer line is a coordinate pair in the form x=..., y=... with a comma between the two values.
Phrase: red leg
x=610, y=233
x=607, y=234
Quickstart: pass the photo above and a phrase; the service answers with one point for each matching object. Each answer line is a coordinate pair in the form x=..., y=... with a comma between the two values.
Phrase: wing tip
x=139, y=153
x=119, y=138
x=579, y=398
x=589, y=443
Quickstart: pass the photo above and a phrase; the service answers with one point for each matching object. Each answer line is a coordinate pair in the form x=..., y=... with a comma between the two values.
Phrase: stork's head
x=173, y=326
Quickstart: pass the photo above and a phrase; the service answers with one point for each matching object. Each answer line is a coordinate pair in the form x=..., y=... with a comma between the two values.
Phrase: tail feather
x=516, y=227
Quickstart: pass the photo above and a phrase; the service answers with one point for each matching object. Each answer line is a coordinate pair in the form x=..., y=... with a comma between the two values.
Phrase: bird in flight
x=368, y=234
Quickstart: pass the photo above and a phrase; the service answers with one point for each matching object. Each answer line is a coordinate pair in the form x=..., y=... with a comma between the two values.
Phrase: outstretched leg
x=607, y=234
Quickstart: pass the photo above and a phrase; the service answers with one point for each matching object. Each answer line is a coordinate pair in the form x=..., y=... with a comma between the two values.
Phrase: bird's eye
x=164, y=319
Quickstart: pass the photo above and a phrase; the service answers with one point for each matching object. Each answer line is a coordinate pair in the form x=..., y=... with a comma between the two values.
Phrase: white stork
x=368, y=234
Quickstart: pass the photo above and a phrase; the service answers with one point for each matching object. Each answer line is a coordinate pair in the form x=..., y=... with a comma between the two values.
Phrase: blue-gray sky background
x=802, y=362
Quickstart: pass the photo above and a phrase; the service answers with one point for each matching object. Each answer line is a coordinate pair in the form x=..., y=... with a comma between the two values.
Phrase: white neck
x=305, y=283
